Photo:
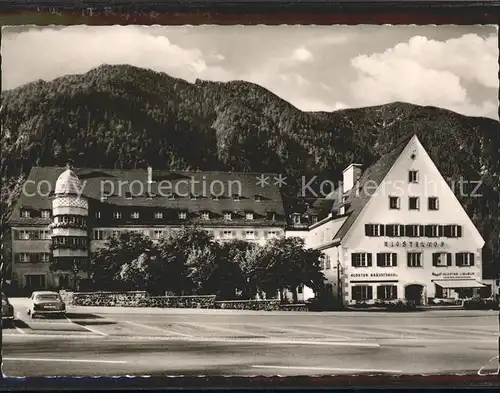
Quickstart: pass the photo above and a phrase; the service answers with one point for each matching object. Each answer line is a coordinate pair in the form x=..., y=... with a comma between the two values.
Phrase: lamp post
x=76, y=269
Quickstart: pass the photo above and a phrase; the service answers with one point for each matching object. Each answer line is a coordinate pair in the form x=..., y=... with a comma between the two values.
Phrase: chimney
x=69, y=164
x=351, y=176
x=150, y=174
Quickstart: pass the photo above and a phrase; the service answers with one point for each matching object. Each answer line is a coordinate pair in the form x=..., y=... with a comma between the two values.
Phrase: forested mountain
x=127, y=117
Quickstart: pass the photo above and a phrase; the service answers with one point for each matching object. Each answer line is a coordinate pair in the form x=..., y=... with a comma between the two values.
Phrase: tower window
x=45, y=214
x=413, y=176
x=394, y=203
x=433, y=203
x=414, y=203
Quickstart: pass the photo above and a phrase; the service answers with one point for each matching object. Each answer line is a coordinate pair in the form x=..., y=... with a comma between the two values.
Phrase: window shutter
x=394, y=259
x=379, y=259
x=369, y=293
x=395, y=291
x=448, y=258
x=369, y=259
x=353, y=261
x=471, y=256
x=382, y=230
x=421, y=229
x=435, y=258
x=459, y=259
x=459, y=230
x=401, y=230
x=427, y=231
x=441, y=230
x=369, y=229
x=389, y=229
x=447, y=230
x=409, y=230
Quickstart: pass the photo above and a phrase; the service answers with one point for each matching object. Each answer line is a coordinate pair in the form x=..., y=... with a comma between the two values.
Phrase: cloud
x=428, y=72
x=302, y=55
x=50, y=53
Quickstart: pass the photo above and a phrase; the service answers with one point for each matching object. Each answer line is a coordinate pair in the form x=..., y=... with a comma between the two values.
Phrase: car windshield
x=47, y=297
x=4, y=298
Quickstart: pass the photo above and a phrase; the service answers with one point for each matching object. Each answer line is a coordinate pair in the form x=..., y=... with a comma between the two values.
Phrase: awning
x=454, y=284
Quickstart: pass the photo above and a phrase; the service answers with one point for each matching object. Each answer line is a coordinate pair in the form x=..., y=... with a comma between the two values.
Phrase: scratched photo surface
x=241, y=201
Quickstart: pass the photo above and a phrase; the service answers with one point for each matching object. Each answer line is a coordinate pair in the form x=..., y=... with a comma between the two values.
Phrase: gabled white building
x=397, y=231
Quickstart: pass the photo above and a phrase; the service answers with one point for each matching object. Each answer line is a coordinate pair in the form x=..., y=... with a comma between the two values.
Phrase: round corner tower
x=69, y=227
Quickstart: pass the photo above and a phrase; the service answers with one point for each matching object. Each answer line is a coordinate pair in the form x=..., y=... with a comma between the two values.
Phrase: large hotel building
x=395, y=230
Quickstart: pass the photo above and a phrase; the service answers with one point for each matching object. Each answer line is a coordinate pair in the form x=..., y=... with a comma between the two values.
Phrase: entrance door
x=414, y=293
x=35, y=282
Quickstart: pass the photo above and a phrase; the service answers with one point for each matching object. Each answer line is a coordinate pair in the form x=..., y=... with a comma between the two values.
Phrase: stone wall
x=259, y=305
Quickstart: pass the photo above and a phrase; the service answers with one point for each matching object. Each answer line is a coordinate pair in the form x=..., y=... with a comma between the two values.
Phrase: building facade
x=395, y=231
x=64, y=214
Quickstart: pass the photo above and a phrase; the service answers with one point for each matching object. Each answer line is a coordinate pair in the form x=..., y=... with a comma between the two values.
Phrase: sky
x=315, y=68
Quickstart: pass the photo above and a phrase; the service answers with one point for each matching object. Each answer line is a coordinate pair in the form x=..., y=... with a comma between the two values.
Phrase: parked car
x=46, y=303
x=7, y=311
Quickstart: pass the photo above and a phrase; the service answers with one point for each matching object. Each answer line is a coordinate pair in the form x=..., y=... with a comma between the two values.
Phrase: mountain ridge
x=121, y=116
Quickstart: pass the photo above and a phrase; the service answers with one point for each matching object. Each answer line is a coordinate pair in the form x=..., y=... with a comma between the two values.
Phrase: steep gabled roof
x=371, y=178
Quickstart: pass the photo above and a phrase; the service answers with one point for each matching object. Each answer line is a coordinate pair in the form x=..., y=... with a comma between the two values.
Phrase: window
x=227, y=234
x=271, y=216
x=414, y=259
x=45, y=257
x=134, y=215
x=452, y=231
x=413, y=176
x=414, y=203
x=441, y=259
x=158, y=215
x=387, y=259
x=272, y=233
x=432, y=230
x=205, y=216
x=387, y=292
x=249, y=216
x=45, y=213
x=44, y=235
x=314, y=219
x=464, y=259
x=300, y=289
x=361, y=259
x=25, y=214
x=24, y=235
x=394, y=203
x=97, y=215
x=117, y=215
x=250, y=234
x=182, y=215
x=433, y=203
x=157, y=234
x=413, y=230
x=296, y=218
x=394, y=230
x=374, y=230
x=328, y=262
x=362, y=292
x=24, y=257
x=322, y=262
x=227, y=216
x=98, y=234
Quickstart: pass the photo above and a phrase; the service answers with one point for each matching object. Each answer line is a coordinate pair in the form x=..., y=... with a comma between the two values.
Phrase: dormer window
x=158, y=215
x=97, y=214
x=249, y=216
x=296, y=218
x=25, y=214
x=227, y=216
x=271, y=216
x=182, y=215
x=45, y=214
x=134, y=215
x=205, y=216
x=314, y=218
x=117, y=215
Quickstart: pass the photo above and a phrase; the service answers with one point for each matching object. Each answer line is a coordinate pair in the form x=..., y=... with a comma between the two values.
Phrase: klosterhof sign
x=415, y=243
x=453, y=275
x=372, y=275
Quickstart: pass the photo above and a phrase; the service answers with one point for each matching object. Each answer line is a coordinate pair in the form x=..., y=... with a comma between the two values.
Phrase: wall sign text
x=372, y=275
x=414, y=244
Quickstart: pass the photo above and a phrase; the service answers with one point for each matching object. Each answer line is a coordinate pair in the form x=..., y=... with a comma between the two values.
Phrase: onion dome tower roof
x=68, y=183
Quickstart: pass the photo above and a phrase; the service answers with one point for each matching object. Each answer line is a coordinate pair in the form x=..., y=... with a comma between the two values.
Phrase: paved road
x=116, y=341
